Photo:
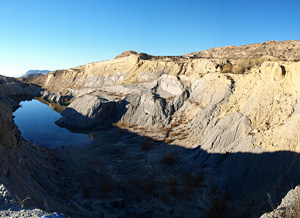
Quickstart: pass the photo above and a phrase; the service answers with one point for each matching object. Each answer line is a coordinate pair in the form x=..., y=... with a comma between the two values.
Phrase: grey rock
x=87, y=112
x=229, y=134
x=288, y=204
x=107, y=79
x=22, y=213
x=168, y=85
x=146, y=76
x=55, y=96
x=177, y=102
x=144, y=110
x=4, y=192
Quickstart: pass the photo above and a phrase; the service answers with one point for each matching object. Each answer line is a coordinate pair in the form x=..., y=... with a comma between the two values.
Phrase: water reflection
x=36, y=123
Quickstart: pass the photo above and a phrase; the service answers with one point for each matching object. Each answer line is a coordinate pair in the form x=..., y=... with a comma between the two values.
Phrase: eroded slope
x=232, y=122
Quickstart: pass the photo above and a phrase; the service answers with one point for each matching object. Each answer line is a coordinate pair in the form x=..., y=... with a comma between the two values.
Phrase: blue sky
x=58, y=34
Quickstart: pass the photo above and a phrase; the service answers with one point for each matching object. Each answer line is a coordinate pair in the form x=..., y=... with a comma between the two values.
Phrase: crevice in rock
x=283, y=70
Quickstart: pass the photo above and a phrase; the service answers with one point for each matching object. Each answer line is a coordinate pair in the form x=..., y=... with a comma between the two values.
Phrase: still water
x=36, y=123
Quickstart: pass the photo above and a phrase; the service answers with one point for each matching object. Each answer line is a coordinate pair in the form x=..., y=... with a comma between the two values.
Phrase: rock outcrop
x=55, y=97
x=12, y=87
x=289, y=206
x=89, y=111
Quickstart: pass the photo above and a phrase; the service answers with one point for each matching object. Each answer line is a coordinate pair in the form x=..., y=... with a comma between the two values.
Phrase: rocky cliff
x=235, y=110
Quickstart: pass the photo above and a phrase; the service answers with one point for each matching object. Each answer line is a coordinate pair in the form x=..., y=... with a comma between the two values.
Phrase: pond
x=36, y=121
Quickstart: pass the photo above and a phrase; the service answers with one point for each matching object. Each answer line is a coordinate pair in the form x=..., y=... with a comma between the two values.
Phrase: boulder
x=169, y=85
x=145, y=110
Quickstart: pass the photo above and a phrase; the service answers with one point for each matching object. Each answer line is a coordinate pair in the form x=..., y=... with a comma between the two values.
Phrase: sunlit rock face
x=234, y=111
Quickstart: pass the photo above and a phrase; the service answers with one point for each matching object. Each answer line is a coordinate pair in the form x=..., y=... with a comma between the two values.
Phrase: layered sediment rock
x=244, y=126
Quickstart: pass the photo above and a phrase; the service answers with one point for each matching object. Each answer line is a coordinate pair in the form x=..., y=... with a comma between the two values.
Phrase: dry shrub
x=167, y=141
x=165, y=197
x=175, y=134
x=126, y=125
x=119, y=123
x=148, y=187
x=86, y=191
x=122, y=125
x=173, y=181
x=176, y=123
x=110, y=93
x=105, y=186
x=172, y=210
x=239, y=69
x=241, y=66
x=166, y=130
x=197, y=179
x=146, y=145
x=138, y=197
x=168, y=159
x=156, y=139
x=187, y=191
x=188, y=178
x=173, y=190
x=183, y=136
x=227, y=68
x=213, y=190
x=194, y=181
x=21, y=202
x=170, y=98
x=218, y=208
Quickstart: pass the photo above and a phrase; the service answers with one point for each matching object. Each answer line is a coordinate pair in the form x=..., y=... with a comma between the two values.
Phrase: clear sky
x=58, y=34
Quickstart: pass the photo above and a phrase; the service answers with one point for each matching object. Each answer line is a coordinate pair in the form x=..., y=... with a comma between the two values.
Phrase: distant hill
x=31, y=73
x=284, y=50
